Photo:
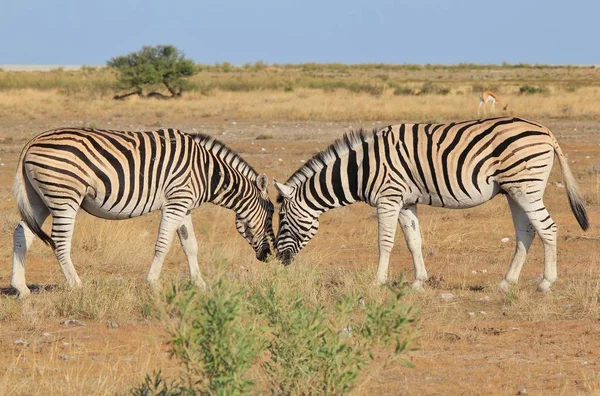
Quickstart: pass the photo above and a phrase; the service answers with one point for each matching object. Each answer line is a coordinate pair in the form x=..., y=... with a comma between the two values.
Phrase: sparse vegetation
x=128, y=332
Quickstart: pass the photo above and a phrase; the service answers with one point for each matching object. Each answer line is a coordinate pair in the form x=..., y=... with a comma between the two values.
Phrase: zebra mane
x=337, y=149
x=219, y=149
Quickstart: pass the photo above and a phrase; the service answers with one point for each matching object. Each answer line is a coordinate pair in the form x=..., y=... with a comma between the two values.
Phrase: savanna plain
x=464, y=336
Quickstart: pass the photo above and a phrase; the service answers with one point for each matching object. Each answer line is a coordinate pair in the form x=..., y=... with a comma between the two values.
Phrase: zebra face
x=255, y=223
x=297, y=225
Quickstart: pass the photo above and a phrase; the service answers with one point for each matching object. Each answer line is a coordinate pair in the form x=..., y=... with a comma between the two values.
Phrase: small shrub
x=403, y=90
x=299, y=346
x=430, y=88
x=156, y=386
x=213, y=339
x=532, y=89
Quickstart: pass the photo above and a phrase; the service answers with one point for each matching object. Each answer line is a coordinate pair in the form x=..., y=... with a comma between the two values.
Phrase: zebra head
x=254, y=221
x=297, y=224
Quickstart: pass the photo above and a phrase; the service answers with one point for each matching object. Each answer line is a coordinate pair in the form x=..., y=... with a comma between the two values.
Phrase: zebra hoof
x=544, y=287
x=505, y=286
x=418, y=286
x=200, y=284
x=23, y=293
x=380, y=282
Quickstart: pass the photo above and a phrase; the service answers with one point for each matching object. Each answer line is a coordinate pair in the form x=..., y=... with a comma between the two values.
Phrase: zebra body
x=456, y=165
x=119, y=175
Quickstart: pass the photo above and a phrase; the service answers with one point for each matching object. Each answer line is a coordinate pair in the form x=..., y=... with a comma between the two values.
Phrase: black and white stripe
x=456, y=165
x=119, y=175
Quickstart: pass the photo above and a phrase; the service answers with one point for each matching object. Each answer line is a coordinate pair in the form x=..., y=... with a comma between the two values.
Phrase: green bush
x=532, y=89
x=214, y=339
x=299, y=347
x=163, y=65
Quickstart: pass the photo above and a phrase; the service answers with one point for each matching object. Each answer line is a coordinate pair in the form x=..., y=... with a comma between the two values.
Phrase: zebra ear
x=262, y=181
x=283, y=190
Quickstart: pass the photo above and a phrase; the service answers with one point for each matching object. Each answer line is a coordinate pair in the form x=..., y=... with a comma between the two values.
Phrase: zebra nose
x=263, y=254
x=285, y=257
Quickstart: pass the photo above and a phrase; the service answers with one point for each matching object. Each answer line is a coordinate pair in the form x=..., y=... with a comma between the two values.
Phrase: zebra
x=454, y=165
x=119, y=175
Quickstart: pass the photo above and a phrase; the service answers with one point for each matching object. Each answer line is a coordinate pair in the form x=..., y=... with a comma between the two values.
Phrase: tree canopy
x=151, y=67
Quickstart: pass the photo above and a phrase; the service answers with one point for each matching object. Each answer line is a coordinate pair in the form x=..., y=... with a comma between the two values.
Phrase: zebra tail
x=22, y=190
x=575, y=198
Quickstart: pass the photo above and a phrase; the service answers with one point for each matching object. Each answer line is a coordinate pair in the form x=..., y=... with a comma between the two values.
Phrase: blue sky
x=76, y=32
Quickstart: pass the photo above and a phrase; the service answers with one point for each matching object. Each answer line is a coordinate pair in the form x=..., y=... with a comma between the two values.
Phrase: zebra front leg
x=22, y=239
x=63, y=224
x=387, y=217
x=412, y=235
x=171, y=220
x=190, y=247
x=524, y=233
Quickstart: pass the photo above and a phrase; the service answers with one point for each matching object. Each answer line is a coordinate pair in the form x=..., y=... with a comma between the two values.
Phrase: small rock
x=263, y=149
x=45, y=334
x=346, y=332
x=447, y=296
x=482, y=313
x=515, y=328
x=113, y=325
x=279, y=159
x=233, y=123
x=361, y=302
x=73, y=322
x=483, y=271
x=522, y=391
x=471, y=314
x=504, y=240
x=567, y=306
x=474, y=272
x=20, y=342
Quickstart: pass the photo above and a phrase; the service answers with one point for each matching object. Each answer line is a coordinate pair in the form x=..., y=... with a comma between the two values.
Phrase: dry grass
x=546, y=343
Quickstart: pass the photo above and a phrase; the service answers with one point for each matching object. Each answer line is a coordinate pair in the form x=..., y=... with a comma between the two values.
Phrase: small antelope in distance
x=489, y=96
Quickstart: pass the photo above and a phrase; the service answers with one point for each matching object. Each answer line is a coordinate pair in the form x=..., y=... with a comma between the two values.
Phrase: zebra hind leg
x=412, y=235
x=22, y=239
x=533, y=206
x=63, y=224
x=187, y=237
x=387, y=216
x=525, y=233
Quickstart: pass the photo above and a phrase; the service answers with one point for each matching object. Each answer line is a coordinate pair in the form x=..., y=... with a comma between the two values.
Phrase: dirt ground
x=479, y=342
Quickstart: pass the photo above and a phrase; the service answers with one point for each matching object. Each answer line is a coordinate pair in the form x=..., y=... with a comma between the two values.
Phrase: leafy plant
x=151, y=67
x=214, y=339
x=532, y=89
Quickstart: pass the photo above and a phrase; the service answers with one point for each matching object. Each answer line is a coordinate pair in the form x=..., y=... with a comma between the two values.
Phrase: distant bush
x=372, y=89
x=150, y=67
x=403, y=90
x=531, y=89
x=430, y=88
x=479, y=88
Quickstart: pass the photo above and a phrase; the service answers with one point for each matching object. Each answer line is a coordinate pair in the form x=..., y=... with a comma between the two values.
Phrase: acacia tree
x=152, y=67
